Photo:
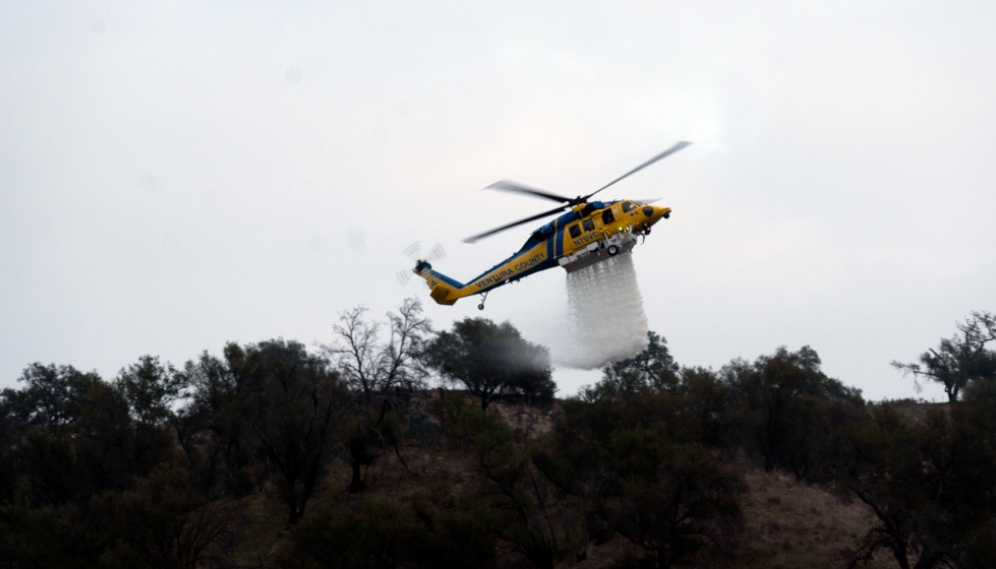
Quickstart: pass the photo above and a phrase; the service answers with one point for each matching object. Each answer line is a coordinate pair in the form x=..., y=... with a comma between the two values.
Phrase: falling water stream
x=605, y=313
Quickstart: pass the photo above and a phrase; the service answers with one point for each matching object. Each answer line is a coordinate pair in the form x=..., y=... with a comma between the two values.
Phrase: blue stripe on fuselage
x=447, y=280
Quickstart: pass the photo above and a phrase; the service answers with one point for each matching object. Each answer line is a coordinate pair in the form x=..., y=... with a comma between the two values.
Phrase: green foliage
x=653, y=368
x=52, y=396
x=272, y=400
x=146, y=470
x=47, y=537
x=961, y=360
x=73, y=435
x=151, y=389
x=669, y=495
x=523, y=507
x=294, y=404
x=930, y=484
x=493, y=362
x=673, y=500
x=215, y=431
x=695, y=403
x=784, y=404
x=162, y=522
x=378, y=535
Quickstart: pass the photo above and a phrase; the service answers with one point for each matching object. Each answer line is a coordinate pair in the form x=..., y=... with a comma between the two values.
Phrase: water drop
x=605, y=311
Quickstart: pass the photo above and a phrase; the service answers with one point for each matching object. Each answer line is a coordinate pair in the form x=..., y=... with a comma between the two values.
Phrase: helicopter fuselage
x=589, y=233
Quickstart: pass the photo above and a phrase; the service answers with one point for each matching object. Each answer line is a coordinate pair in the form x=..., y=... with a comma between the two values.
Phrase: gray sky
x=175, y=176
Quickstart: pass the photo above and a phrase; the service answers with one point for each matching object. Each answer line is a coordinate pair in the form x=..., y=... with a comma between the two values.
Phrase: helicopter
x=589, y=232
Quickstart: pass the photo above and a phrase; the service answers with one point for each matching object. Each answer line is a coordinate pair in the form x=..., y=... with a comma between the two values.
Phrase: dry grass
x=261, y=530
x=788, y=524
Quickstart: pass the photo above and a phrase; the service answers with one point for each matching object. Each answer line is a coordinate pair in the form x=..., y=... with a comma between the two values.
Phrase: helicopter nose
x=655, y=213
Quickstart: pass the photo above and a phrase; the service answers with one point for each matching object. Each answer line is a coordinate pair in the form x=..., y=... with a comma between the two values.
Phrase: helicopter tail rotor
x=436, y=253
x=413, y=252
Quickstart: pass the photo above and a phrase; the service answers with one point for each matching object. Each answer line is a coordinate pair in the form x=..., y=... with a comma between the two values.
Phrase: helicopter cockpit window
x=607, y=217
x=588, y=225
x=628, y=207
x=575, y=231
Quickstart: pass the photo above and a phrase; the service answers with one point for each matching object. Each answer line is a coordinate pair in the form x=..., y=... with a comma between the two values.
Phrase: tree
x=218, y=419
x=522, y=506
x=492, y=361
x=151, y=389
x=295, y=403
x=163, y=522
x=784, y=405
x=959, y=360
x=671, y=498
x=384, y=375
x=52, y=396
x=38, y=426
x=376, y=369
x=653, y=367
x=72, y=438
x=930, y=485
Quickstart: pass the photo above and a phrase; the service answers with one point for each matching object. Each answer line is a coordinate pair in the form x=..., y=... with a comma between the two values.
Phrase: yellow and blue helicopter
x=590, y=232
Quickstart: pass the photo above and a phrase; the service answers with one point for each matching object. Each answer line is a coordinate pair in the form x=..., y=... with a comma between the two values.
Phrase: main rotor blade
x=480, y=236
x=508, y=186
x=660, y=156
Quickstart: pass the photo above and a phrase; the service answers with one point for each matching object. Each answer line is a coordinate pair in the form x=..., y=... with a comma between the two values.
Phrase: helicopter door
x=607, y=217
x=588, y=225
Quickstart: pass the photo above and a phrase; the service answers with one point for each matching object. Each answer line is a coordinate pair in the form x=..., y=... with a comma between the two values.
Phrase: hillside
x=274, y=456
x=786, y=523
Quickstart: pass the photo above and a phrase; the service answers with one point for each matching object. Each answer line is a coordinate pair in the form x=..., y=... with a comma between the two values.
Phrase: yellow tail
x=443, y=293
x=444, y=289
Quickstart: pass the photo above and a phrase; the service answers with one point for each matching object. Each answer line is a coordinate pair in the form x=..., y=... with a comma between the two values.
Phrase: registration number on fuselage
x=585, y=238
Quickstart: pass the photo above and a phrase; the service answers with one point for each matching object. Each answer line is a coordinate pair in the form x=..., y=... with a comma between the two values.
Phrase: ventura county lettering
x=505, y=273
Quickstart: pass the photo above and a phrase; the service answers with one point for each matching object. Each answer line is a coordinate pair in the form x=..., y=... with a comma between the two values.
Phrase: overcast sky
x=174, y=176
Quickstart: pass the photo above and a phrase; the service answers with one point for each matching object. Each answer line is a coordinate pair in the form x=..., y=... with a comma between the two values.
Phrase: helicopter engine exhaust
x=605, y=312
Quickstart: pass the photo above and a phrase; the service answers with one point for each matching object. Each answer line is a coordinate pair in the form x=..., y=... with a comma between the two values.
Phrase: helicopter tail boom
x=444, y=289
